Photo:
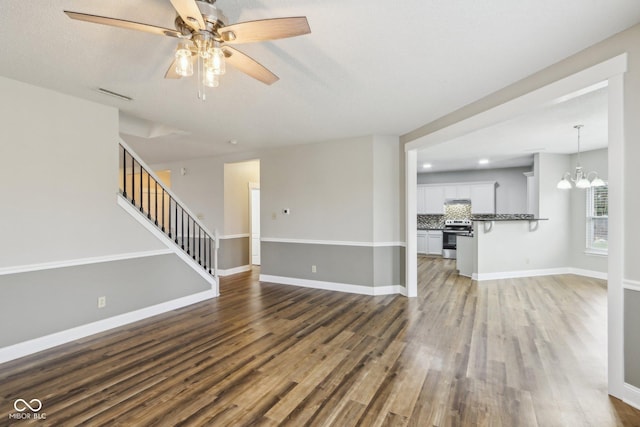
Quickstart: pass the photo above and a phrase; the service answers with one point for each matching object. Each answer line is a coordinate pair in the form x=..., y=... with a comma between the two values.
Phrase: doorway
x=611, y=70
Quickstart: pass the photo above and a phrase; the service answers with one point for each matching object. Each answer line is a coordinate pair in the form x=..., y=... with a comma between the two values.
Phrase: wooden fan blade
x=123, y=24
x=265, y=29
x=190, y=13
x=249, y=66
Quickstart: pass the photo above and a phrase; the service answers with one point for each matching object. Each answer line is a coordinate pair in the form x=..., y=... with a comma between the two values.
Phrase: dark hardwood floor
x=521, y=352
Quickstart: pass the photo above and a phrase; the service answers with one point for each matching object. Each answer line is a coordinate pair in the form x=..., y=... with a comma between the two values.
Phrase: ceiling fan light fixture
x=216, y=61
x=211, y=78
x=203, y=30
x=184, y=63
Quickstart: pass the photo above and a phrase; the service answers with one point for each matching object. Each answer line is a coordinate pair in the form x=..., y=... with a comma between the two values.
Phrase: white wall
x=388, y=195
x=510, y=246
x=595, y=160
x=511, y=192
x=327, y=187
x=59, y=180
x=202, y=187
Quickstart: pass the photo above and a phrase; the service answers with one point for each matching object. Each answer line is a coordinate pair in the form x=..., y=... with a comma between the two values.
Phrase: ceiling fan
x=205, y=38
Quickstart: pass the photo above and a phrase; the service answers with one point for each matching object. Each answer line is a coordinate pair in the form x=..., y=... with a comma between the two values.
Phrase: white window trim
x=589, y=225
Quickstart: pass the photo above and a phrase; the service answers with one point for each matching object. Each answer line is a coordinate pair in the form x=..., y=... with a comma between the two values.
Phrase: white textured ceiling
x=514, y=142
x=368, y=66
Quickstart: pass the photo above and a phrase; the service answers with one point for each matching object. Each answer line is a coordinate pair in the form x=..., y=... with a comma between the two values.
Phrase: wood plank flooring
x=521, y=352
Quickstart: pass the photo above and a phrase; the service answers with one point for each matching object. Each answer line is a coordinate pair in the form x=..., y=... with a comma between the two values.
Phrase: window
x=598, y=220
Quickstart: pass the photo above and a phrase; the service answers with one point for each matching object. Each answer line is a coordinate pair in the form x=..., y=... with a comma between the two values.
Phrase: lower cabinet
x=430, y=242
x=434, y=242
x=422, y=241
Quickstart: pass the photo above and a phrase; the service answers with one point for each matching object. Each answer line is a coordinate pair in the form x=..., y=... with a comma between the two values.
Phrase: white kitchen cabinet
x=483, y=198
x=431, y=197
x=434, y=199
x=434, y=242
x=450, y=191
x=463, y=191
x=422, y=241
x=420, y=200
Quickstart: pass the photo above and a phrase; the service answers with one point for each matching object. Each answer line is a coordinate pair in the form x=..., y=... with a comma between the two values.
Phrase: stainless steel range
x=453, y=228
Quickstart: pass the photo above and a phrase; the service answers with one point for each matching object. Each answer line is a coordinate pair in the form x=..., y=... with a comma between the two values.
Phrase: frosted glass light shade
x=583, y=183
x=564, y=184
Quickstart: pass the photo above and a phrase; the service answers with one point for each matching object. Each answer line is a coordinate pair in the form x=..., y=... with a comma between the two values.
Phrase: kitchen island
x=501, y=246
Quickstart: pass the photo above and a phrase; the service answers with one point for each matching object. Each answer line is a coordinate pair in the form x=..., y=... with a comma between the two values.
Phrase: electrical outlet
x=314, y=269
x=102, y=302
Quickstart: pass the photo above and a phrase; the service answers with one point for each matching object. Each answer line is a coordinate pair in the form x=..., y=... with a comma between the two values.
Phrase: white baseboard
x=234, y=270
x=631, y=395
x=540, y=272
x=518, y=274
x=48, y=341
x=334, y=286
x=589, y=273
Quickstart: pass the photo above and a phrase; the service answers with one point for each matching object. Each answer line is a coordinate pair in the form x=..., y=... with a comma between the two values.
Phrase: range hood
x=457, y=202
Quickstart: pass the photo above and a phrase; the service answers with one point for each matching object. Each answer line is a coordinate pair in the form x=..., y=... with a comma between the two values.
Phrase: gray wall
x=632, y=344
x=48, y=301
x=233, y=253
x=595, y=160
x=59, y=178
x=352, y=265
x=341, y=191
x=511, y=192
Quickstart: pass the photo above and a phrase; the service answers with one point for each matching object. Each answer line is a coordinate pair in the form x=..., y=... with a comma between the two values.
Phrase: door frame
x=252, y=186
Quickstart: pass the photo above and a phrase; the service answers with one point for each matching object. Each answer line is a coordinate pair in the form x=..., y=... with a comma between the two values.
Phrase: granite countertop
x=508, y=218
x=430, y=228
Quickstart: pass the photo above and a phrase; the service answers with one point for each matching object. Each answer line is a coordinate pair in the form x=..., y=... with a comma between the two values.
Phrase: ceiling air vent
x=114, y=94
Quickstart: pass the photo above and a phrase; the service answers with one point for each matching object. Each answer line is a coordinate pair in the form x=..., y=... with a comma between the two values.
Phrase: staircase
x=145, y=191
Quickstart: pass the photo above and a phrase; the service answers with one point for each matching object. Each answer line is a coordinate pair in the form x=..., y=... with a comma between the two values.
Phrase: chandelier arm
x=592, y=172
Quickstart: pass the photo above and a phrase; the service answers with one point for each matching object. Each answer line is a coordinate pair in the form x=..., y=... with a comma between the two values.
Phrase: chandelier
x=579, y=178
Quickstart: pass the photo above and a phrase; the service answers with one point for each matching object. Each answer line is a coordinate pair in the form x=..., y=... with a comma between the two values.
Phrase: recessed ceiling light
x=427, y=165
x=233, y=141
x=483, y=161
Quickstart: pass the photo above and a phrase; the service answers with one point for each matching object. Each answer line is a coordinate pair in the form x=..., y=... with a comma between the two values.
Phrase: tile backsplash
x=426, y=222
x=457, y=211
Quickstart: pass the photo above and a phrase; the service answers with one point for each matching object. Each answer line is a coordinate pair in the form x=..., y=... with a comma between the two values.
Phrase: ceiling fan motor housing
x=213, y=19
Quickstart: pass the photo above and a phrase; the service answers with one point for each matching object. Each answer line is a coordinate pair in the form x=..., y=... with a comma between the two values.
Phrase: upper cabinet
x=483, y=198
x=431, y=197
x=433, y=200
